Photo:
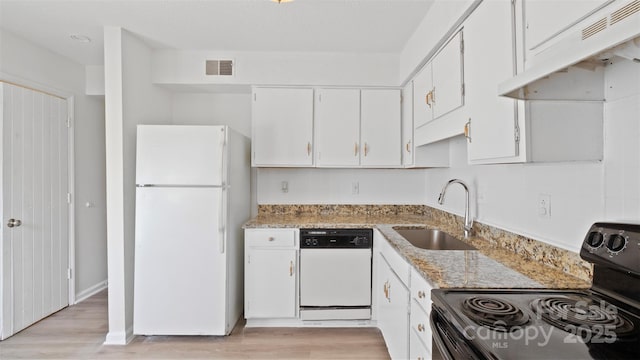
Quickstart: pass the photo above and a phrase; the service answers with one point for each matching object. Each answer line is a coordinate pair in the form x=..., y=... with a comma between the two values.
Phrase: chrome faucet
x=468, y=221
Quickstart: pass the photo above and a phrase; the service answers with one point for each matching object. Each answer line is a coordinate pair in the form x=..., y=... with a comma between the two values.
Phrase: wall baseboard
x=89, y=292
x=119, y=337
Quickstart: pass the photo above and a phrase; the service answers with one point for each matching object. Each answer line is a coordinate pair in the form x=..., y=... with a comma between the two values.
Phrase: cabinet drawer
x=417, y=349
x=270, y=237
x=421, y=290
x=420, y=324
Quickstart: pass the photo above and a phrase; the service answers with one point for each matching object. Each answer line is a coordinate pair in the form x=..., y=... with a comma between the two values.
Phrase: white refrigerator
x=192, y=196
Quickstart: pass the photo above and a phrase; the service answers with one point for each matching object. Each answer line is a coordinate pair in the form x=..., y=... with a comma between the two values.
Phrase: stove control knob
x=616, y=243
x=595, y=239
x=307, y=242
x=315, y=242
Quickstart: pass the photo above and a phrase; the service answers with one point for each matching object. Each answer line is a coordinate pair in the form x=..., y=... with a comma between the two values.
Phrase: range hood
x=573, y=67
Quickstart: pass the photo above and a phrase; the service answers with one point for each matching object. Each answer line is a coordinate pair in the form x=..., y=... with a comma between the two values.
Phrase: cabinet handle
x=427, y=99
x=420, y=327
x=291, y=268
x=433, y=95
x=366, y=149
x=355, y=149
x=421, y=294
x=386, y=290
x=407, y=146
x=467, y=130
x=271, y=238
x=308, y=148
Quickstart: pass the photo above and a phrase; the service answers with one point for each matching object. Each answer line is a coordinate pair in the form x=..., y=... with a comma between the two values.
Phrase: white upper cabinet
x=422, y=87
x=447, y=93
x=407, y=125
x=438, y=88
x=380, y=128
x=503, y=130
x=489, y=60
x=338, y=127
x=358, y=128
x=282, y=127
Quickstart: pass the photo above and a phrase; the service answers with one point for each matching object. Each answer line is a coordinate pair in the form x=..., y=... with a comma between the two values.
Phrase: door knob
x=14, y=222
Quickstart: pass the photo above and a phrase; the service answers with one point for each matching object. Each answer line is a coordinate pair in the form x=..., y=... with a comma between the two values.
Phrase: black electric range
x=600, y=323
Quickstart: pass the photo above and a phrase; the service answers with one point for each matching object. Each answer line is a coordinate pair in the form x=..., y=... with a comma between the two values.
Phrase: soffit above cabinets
x=572, y=68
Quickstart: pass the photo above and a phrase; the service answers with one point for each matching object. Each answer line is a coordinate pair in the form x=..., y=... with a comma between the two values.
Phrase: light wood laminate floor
x=78, y=332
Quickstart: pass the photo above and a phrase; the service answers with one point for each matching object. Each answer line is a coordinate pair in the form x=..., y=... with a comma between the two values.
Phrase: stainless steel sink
x=433, y=239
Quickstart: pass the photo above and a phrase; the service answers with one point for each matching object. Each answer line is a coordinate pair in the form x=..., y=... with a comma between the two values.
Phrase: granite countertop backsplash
x=503, y=259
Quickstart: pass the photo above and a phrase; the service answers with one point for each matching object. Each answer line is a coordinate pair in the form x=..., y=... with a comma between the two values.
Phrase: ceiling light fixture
x=281, y=1
x=80, y=38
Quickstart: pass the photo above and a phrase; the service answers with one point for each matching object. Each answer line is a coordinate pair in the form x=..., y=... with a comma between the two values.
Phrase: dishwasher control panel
x=336, y=238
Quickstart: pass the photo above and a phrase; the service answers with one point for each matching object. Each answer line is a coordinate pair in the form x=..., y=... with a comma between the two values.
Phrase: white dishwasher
x=335, y=274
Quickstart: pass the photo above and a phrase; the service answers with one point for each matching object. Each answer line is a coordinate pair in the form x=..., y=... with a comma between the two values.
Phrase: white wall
x=505, y=196
x=622, y=142
x=581, y=192
x=278, y=68
x=335, y=186
x=213, y=109
x=26, y=62
x=130, y=99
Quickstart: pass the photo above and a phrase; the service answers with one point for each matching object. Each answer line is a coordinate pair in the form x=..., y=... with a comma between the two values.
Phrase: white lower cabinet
x=393, y=312
x=417, y=348
x=270, y=273
x=403, y=305
x=421, y=337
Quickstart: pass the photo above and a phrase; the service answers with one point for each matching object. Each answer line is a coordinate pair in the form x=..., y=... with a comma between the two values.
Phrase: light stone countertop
x=487, y=267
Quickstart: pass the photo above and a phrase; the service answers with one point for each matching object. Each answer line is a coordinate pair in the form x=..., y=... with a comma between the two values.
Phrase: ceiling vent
x=219, y=67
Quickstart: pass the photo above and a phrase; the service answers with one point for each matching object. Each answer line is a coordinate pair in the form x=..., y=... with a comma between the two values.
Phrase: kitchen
x=506, y=196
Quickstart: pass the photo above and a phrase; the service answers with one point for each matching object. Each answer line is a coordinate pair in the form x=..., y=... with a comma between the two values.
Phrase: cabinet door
x=492, y=118
x=282, y=127
x=447, y=77
x=338, y=127
x=407, y=125
x=380, y=128
x=422, y=107
x=393, y=312
x=270, y=283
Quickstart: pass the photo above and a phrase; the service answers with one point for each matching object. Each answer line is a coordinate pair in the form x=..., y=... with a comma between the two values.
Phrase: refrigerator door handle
x=222, y=220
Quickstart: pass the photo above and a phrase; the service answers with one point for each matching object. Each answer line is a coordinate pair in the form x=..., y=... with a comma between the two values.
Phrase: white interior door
x=35, y=212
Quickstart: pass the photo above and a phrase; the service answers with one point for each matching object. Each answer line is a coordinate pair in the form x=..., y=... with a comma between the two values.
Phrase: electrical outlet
x=284, y=186
x=355, y=188
x=544, y=205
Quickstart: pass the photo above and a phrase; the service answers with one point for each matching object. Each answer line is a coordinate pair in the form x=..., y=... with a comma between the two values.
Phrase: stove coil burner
x=584, y=317
x=494, y=313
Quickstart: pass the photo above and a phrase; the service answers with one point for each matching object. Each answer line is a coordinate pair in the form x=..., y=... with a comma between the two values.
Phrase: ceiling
x=363, y=26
